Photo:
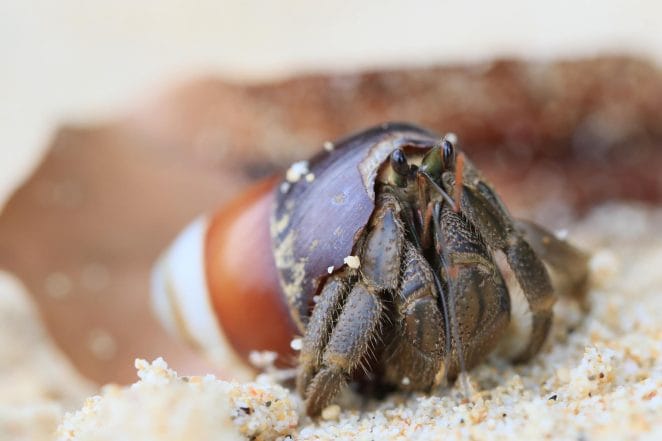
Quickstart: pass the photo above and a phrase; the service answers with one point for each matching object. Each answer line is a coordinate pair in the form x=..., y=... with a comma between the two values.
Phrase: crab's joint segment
x=426, y=237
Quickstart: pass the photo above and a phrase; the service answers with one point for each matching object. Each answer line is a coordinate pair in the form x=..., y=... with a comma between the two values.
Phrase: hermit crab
x=385, y=253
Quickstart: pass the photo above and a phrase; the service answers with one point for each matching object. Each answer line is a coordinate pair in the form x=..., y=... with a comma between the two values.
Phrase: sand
x=599, y=376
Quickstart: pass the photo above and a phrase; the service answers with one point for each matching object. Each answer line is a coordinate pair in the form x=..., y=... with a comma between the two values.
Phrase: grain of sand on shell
x=599, y=377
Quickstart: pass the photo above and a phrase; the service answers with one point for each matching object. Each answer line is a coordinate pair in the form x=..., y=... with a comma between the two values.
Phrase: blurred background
x=78, y=61
x=121, y=121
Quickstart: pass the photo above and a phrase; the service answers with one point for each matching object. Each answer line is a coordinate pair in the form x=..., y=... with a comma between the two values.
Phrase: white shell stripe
x=181, y=298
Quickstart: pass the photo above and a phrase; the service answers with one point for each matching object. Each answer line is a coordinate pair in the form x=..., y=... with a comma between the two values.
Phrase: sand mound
x=598, y=376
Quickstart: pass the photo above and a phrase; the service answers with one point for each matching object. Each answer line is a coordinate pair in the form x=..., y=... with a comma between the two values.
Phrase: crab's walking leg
x=488, y=214
x=569, y=264
x=419, y=342
x=481, y=303
x=350, y=340
x=319, y=329
x=357, y=327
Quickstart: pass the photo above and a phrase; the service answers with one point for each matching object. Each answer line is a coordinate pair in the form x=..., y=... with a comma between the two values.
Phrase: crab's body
x=428, y=298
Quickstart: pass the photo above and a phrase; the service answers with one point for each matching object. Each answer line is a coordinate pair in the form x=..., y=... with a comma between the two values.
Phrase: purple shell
x=315, y=224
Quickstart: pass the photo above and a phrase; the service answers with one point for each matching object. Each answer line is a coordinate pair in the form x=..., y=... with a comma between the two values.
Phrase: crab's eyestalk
x=400, y=166
x=440, y=158
x=433, y=163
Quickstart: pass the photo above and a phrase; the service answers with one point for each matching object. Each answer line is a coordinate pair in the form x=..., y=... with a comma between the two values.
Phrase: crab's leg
x=569, y=264
x=488, y=214
x=418, y=347
x=350, y=341
x=381, y=255
x=325, y=313
x=477, y=293
x=357, y=327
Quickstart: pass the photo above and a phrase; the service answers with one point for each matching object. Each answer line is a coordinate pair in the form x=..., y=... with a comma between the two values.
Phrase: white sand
x=599, y=377
x=164, y=406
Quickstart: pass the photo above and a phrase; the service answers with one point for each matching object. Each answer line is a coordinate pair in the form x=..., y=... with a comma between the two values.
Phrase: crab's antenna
x=410, y=222
x=451, y=272
x=439, y=190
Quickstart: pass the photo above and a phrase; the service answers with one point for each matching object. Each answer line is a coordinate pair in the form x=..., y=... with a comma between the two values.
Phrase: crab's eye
x=399, y=163
x=448, y=154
